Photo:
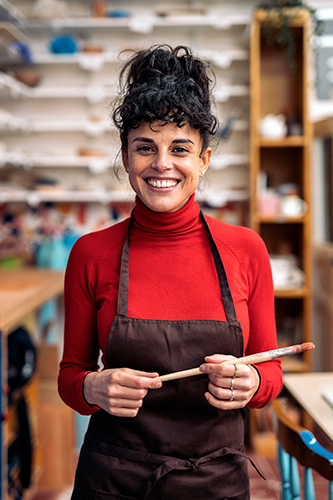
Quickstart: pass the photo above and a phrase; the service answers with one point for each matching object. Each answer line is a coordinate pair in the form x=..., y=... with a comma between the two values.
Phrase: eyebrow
x=151, y=141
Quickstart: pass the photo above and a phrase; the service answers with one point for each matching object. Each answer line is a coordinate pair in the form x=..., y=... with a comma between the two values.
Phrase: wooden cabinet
x=280, y=164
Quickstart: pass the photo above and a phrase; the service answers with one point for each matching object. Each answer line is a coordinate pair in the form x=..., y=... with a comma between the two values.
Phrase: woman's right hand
x=119, y=391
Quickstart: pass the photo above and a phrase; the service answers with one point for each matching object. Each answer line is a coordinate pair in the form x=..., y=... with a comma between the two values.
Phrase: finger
x=221, y=393
x=116, y=391
x=135, y=379
x=226, y=382
x=124, y=412
x=218, y=358
x=222, y=404
x=126, y=403
x=221, y=369
x=145, y=374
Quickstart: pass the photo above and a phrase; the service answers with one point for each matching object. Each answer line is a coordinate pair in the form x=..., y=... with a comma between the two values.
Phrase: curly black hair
x=168, y=85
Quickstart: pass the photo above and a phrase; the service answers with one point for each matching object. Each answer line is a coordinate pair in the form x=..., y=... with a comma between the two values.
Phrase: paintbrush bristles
x=307, y=346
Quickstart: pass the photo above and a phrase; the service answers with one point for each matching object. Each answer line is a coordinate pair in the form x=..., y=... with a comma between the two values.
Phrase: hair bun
x=166, y=84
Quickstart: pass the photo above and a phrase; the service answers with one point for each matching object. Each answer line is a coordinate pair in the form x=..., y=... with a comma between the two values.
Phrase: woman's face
x=164, y=163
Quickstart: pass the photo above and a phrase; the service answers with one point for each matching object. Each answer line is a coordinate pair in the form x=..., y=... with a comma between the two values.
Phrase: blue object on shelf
x=118, y=13
x=63, y=45
x=23, y=51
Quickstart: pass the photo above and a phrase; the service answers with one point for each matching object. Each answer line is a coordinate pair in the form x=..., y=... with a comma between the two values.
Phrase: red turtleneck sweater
x=171, y=276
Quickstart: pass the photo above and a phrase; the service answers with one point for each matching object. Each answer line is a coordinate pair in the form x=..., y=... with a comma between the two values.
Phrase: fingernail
x=203, y=368
x=158, y=384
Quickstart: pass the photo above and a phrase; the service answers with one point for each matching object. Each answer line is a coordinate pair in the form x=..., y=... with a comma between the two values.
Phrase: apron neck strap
x=227, y=300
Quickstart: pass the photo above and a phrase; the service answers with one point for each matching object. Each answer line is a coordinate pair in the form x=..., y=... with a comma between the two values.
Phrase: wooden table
x=22, y=291
x=306, y=389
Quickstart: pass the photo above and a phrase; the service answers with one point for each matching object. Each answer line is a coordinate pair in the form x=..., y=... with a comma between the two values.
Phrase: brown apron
x=178, y=447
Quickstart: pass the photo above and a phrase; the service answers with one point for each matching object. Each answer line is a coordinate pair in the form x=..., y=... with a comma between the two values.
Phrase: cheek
x=134, y=169
x=193, y=175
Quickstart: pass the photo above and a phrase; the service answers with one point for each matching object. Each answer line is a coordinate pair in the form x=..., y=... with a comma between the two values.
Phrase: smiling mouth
x=162, y=183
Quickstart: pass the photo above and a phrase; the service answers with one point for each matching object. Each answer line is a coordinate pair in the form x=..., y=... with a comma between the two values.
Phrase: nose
x=161, y=161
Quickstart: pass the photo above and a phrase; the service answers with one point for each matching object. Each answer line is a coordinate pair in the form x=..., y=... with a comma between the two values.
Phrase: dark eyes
x=180, y=149
x=145, y=148
x=149, y=149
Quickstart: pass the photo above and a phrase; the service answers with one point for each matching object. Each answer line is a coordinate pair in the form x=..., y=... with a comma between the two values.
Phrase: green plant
x=277, y=29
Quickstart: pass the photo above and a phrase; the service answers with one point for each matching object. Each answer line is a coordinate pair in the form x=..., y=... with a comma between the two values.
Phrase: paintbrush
x=252, y=359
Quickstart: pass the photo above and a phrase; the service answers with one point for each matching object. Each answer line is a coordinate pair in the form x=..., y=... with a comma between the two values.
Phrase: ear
x=124, y=156
x=205, y=159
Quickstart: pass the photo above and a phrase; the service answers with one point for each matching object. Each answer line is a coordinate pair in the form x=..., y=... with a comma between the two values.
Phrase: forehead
x=160, y=132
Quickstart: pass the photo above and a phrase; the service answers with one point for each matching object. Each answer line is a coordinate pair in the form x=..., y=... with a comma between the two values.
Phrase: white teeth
x=161, y=184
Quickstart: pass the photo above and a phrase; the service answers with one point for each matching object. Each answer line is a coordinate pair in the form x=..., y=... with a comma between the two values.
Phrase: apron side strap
x=122, y=306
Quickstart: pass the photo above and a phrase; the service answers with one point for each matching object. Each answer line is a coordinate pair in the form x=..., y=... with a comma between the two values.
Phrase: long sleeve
x=80, y=343
x=262, y=325
x=91, y=288
x=249, y=274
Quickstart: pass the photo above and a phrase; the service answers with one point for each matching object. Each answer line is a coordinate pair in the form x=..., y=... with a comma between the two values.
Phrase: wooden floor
x=268, y=489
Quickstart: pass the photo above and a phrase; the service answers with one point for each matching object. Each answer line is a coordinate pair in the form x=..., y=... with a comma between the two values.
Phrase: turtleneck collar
x=170, y=223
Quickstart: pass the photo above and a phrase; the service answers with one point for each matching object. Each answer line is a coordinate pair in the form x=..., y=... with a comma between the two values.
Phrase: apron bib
x=178, y=446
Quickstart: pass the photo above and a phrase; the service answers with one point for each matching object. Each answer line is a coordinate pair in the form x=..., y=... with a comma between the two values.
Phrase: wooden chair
x=297, y=444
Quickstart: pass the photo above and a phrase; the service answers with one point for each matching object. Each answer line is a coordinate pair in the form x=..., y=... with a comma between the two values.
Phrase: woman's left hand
x=230, y=386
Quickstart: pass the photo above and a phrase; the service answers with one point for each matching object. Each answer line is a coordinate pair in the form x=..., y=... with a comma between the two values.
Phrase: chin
x=164, y=207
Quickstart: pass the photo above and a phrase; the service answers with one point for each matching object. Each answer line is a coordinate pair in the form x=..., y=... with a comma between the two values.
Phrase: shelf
x=229, y=91
x=280, y=219
x=222, y=161
x=18, y=89
x=285, y=142
x=98, y=93
x=34, y=198
x=144, y=24
x=79, y=58
x=299, y=18
x=9, y=122
x=31, y=160
x=95, y=61
x=35, y=160
x=90, y=128
x=291, y=293
x=92, y=94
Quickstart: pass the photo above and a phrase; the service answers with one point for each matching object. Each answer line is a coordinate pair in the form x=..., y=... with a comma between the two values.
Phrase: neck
x=166, y=223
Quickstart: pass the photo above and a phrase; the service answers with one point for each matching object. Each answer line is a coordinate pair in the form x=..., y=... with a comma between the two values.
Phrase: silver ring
x=232, y=384
x=236, y=371
x=232, y=395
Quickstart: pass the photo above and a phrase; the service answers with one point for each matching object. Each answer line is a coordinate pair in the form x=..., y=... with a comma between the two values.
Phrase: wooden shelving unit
x=275, y=89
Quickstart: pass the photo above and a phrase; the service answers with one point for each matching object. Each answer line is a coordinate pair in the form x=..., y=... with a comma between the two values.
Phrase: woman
x=166, y=290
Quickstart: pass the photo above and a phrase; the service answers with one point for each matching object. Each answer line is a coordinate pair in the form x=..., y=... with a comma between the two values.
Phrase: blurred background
x=61, y=177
